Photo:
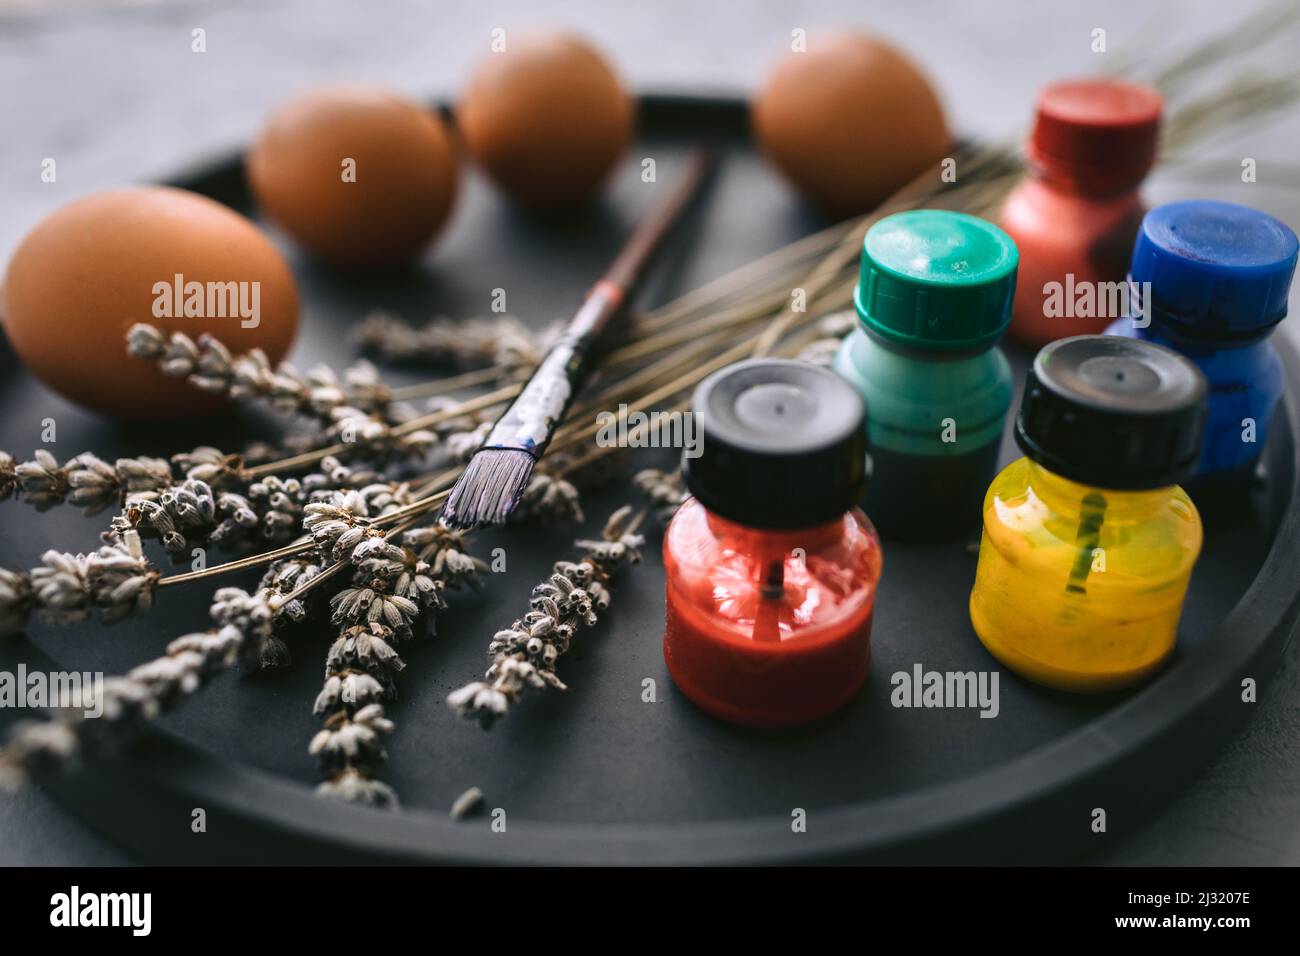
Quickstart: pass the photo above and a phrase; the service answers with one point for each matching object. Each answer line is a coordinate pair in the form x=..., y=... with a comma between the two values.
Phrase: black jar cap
x=782, y=444
x=1113, y=412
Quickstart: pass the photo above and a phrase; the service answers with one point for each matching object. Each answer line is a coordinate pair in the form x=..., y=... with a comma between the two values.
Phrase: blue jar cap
x=1217, y=270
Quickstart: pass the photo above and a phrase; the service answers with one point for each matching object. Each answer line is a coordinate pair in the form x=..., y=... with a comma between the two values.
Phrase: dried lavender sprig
x=270, y=510
x=182, y=513
x=265, y=452
x=117, y=581
x=39, y=749
x=211, y=367
x=502, y=342
x=832, y=329
x=281, y=580
x=245, y=628
x=373, y=437
x=525, y=654
x=114, y=582
x=213, y=466
x=425, y=497
x=551, y=500
x=391, y=588
x=85, y=480
x=663, y=491
x=356, y=409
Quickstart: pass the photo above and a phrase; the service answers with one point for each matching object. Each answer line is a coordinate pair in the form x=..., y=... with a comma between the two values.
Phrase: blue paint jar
x=1211, y=280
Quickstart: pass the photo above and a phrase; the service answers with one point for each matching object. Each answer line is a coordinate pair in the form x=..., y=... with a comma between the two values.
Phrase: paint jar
x=1211, y=280
x=932, y=299
x=1088, y=541
x=771, y=570
x=1074, y=217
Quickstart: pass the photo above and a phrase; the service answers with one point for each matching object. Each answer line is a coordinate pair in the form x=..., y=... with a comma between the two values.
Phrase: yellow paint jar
x=1088, y=541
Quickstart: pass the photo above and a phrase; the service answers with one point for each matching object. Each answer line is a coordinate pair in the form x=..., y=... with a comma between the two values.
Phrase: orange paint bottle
x=771, y=571
x=1075, y=216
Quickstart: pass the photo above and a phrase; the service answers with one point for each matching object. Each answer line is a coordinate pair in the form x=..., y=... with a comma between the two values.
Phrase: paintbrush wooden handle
x=532, y=418
x=629, y=266
x=606, y=297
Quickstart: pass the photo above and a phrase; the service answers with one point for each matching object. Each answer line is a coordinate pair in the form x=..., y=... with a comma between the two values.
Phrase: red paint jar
x=771, y=571
x=1076, y=216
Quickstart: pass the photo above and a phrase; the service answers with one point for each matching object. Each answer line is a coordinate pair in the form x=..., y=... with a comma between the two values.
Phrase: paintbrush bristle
x=490, y=489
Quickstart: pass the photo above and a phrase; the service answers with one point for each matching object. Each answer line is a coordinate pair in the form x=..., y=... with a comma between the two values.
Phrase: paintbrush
x=495, y=478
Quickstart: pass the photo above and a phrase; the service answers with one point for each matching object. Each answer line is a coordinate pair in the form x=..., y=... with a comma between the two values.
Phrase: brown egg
x=359, y=176
x=849, y=121
x=546, y=118
x=175, y=259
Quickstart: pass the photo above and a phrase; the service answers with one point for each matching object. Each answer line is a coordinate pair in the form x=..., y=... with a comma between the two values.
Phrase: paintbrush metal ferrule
x=495, y=478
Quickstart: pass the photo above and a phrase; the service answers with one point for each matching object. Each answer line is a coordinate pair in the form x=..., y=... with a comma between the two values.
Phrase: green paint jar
x=933, y=298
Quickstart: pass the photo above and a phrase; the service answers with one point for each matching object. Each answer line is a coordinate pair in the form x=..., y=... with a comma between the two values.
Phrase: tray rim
x=279, y=820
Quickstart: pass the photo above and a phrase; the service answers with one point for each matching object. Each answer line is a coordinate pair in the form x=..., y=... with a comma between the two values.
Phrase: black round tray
x=597, y=775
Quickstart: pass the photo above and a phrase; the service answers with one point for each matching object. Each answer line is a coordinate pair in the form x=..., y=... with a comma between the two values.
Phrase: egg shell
x=547, y=119
x=404, y=175
x=88, y=272
x=849, y=121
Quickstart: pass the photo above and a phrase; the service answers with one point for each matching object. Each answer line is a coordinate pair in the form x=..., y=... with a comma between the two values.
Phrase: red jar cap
x=1097, y=136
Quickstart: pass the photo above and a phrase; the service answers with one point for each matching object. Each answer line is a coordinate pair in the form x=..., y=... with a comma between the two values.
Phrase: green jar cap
x=937, y=280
